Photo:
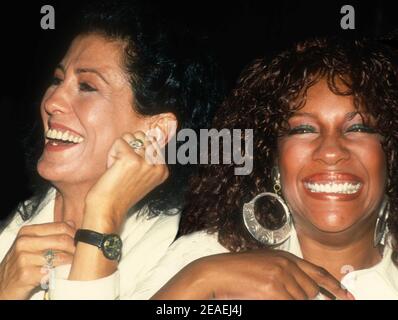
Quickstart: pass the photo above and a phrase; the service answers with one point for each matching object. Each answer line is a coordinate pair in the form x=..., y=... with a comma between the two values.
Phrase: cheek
x=372, y=157
x=293, y=157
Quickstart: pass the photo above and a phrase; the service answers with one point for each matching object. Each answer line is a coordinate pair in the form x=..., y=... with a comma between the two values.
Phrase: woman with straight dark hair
x=105, y=215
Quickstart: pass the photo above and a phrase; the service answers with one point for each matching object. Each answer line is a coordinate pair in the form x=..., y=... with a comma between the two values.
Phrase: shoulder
x=140, y=226
x=197, y=244
x=183, y=251
x=145, y=242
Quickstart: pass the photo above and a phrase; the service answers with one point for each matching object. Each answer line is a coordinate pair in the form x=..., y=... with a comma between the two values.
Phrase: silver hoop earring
x=267, y=236
x=381, y=228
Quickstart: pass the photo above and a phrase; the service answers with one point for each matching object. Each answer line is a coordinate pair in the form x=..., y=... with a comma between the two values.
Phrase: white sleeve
x=182, y=252
x=145, y=242
x=61, y=288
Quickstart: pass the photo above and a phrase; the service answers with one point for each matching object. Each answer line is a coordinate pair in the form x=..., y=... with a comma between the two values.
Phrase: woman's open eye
x=361, y=128
x=302, y=129
x=84, y=86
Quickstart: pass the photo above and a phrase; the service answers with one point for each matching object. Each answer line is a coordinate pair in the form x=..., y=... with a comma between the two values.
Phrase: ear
x=162, y=127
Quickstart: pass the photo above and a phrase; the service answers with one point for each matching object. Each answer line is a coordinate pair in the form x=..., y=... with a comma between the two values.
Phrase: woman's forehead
x=94, y=50
x=321, y=100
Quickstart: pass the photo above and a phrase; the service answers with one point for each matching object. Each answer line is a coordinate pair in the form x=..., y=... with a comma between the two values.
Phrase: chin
x=58, y=173
x=331, y=222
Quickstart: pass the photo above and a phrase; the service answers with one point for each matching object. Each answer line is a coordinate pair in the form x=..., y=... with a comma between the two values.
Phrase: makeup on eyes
x=355, y=122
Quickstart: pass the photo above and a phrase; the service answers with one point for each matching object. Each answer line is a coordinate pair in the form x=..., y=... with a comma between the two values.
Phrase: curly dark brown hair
x=265, y=97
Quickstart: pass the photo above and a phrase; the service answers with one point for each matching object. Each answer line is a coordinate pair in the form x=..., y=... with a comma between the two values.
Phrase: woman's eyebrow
x=303, y=114
x=84, y=70
x=91, y=70
x=61, y=67
x=351, y=115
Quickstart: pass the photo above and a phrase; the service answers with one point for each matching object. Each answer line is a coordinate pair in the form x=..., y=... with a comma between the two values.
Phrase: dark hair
x=169, y=70
x=265, y=97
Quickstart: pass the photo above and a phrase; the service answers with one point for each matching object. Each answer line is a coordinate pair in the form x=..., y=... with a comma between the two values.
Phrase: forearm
x=191, y=283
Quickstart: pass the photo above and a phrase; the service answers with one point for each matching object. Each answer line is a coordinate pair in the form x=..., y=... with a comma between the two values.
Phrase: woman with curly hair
x=318, y=213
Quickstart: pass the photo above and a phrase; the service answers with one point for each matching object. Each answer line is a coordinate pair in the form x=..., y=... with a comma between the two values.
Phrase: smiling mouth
x=63, y=137
x=333, y=187
x=334, y=184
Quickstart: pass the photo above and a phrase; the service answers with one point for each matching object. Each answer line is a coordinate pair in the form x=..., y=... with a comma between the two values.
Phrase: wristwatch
x=110, y=244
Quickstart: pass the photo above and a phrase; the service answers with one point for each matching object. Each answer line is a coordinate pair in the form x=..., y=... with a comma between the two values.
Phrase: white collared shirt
x=377, y=282
x=145, y=241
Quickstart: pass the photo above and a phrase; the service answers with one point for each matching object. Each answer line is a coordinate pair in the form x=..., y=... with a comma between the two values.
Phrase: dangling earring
x=381, y=228
x=267, y=236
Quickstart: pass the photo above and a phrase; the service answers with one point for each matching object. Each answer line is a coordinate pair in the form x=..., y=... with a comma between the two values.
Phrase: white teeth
x=63, y=136
x=344, y=188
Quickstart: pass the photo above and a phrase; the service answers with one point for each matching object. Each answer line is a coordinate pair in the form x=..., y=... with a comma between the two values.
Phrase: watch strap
x=89, y=236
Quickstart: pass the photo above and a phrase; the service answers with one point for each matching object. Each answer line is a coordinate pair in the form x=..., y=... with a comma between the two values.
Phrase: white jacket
x=145, y=241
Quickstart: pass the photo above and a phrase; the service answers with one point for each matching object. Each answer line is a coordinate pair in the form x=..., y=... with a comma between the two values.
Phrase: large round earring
x=381, y=228
x=267, y=236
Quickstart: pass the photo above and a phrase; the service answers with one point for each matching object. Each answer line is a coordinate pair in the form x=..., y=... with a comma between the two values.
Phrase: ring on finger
x=136, y=144
x=49, y=255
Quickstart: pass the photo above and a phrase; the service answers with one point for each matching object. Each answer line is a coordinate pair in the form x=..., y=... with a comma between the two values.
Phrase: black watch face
x=112, y=247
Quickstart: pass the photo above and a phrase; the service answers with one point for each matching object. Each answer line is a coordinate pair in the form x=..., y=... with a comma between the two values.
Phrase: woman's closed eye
x=56, y=81
x=302, y=129
x=84, y=86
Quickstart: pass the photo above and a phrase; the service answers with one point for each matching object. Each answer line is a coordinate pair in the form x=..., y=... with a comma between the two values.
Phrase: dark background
x=237, y=31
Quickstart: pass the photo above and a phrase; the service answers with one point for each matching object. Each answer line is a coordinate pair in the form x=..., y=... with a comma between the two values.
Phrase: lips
x=60, y=137
x=333, y=186
x=54, y=125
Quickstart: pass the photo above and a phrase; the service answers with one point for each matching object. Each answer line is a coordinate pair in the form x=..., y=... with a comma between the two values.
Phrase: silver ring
x=49, y=255
x=136, y=144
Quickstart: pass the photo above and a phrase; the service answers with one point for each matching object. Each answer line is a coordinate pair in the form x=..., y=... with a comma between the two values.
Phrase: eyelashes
x=301, y=130
x=83, y=86
x=55, y=81
x=305, y=129
x=361, y=128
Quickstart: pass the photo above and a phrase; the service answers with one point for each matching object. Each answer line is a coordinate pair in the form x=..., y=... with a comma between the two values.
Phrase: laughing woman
x=320, y=206
x=107, y=215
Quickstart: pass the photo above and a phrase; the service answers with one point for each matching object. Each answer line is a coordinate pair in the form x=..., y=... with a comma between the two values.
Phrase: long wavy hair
x=266, y=95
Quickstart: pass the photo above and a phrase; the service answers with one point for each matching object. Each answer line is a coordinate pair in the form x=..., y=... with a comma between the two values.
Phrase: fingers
x=45, y=229
x=150, y=150
x=137, y=136
x=36, y=244
x=284, y=294
x=325, y=280
x=296, y=289
x=33, y=275
x=28, y=259
x=308, y=285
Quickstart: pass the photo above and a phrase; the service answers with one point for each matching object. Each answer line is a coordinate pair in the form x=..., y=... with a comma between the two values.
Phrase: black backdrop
x=238, y=31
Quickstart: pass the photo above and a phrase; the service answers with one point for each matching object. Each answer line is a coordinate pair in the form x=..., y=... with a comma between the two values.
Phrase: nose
x=56, y=101
x=331, y=150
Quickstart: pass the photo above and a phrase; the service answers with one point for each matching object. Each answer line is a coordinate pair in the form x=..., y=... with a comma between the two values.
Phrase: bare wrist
x=102, y=219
